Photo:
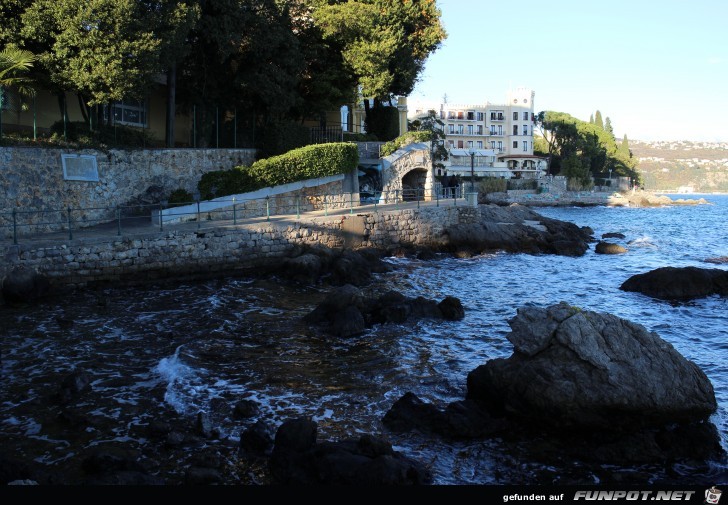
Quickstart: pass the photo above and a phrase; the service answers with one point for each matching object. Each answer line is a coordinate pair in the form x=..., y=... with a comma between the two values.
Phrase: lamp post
x=610, y=178
x=472, y=171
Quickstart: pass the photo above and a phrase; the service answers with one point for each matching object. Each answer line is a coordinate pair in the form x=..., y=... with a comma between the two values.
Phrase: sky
x=657, y=69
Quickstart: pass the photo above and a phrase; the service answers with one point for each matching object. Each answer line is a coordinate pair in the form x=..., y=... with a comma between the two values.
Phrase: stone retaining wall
x=181, y=251
x=32, y=182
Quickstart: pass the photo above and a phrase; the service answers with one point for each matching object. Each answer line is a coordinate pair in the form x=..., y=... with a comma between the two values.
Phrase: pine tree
x=591, y=119
x=625, y=143
x=608, y=126
x=598, y=120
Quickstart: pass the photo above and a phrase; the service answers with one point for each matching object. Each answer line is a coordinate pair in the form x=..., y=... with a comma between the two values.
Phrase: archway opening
x=413, y=184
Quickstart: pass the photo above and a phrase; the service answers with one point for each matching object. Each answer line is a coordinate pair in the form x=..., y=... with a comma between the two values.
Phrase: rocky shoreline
x=639, y=198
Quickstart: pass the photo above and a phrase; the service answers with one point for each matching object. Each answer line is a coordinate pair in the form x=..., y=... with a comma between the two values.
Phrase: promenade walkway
x=142, y=226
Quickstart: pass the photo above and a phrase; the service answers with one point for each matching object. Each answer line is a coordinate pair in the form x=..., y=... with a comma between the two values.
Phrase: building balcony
x=497, y=117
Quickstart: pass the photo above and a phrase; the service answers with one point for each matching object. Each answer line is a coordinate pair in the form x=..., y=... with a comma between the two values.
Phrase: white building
x=496, y=138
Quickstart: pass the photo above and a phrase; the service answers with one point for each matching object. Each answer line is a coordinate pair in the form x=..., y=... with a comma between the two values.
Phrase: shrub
x=119, y=135
x=309, y=162
x=493, y=185
x=179, y=197
x=405, y=139
x=360, y=137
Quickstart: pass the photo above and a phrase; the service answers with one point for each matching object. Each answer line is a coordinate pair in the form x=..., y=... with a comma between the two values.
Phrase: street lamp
x=610, y=177
x=472, y=171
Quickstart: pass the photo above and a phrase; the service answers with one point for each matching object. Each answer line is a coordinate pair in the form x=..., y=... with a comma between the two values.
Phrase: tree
x=106, y=50
x=598, y=120
x=384, y=43
x=608, y=127
x=591, y=119
x=436, y=127
x=14, y=64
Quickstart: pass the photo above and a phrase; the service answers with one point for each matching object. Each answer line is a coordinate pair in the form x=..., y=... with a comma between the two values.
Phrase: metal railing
x=113, y=221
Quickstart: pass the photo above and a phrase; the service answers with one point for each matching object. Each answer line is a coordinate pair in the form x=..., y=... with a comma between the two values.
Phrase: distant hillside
x=666, y=165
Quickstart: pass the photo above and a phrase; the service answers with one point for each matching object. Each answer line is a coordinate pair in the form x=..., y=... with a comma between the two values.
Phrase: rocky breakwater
x=582, y=385
x=649, y=199
x=679, y=283
x=515, y=229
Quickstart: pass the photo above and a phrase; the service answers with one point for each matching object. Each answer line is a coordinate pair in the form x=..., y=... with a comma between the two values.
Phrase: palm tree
x=13, y=63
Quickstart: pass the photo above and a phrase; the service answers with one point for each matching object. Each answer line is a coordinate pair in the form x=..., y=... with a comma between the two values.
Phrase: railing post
x=118, y=220
x=298, y=206
x=198, y=213
x=15, y=227
x=161, y=218
x=326, y=209
x=418, y=197
x=267, y=208
x=70, y=231
x=351, y=203
x=235, y=213
x=396, y=199
x=437, y=197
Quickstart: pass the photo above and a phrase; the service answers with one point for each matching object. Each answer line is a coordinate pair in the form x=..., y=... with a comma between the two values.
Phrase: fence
x=71, y=223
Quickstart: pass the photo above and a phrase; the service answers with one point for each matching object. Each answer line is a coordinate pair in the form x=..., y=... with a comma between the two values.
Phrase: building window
x=500, y=145
x=480, y=116
x=492, y=144
x=470, y=144
x=500, y=129
x=515, y=116
x=460, y=129
x=130, y=112
x=525, y=145
x=460, y=144
x=492, y=130
x=480, y=144
x=515, y=129
x=515, y=144
x=460, y=114
x=451, y=143
x=480, y=129
x=525, y=129
x=470, y=129
x=525, y=116
x=471, y=115
x=450, y=114
x=451, y=128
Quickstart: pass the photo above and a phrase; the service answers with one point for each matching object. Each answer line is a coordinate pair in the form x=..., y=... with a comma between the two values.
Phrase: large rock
x=609, y=248
x=580, y=369
x=683, y=283
x=369, y=460
x=24, y=285
x=516, y=229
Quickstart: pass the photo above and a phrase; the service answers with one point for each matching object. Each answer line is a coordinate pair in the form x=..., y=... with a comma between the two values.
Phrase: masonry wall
x=226, y=249
x=32, y=183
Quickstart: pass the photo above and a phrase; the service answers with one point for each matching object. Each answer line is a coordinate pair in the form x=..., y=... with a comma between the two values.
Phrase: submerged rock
x=298, y=459
x=24, y=285
x=679, y=283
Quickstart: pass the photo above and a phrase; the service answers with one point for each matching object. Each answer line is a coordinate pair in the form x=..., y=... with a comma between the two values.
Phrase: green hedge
x=493, y=185
x=403, y=140
x=309, y=162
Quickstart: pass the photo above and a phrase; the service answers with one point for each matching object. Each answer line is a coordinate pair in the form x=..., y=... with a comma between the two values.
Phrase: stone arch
x=397, y=166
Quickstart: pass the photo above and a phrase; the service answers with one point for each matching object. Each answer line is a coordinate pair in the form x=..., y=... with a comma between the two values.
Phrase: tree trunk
x=84, y=108
x=171, y=103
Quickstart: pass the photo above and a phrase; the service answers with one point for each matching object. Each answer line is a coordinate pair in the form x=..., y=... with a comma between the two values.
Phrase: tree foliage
x=432, y=124
x=14, y=66
x=576, y=148
x=598, y=120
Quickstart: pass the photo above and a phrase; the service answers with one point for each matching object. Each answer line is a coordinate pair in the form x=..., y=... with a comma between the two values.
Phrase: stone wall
x=175, y=252
x=32, y=182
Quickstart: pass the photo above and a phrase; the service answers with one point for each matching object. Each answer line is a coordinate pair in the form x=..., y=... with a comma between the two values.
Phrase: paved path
x=131, y=227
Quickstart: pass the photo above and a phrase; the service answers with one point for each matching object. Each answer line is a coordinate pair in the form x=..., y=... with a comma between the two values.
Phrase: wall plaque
x=79, y=167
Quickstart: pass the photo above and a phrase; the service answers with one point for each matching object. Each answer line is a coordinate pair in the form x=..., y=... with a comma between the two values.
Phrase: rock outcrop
x=679, y=283
x=335, y=267
x=298, y=459
x=346, y=312
x=517, y=229
x=580, y=384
